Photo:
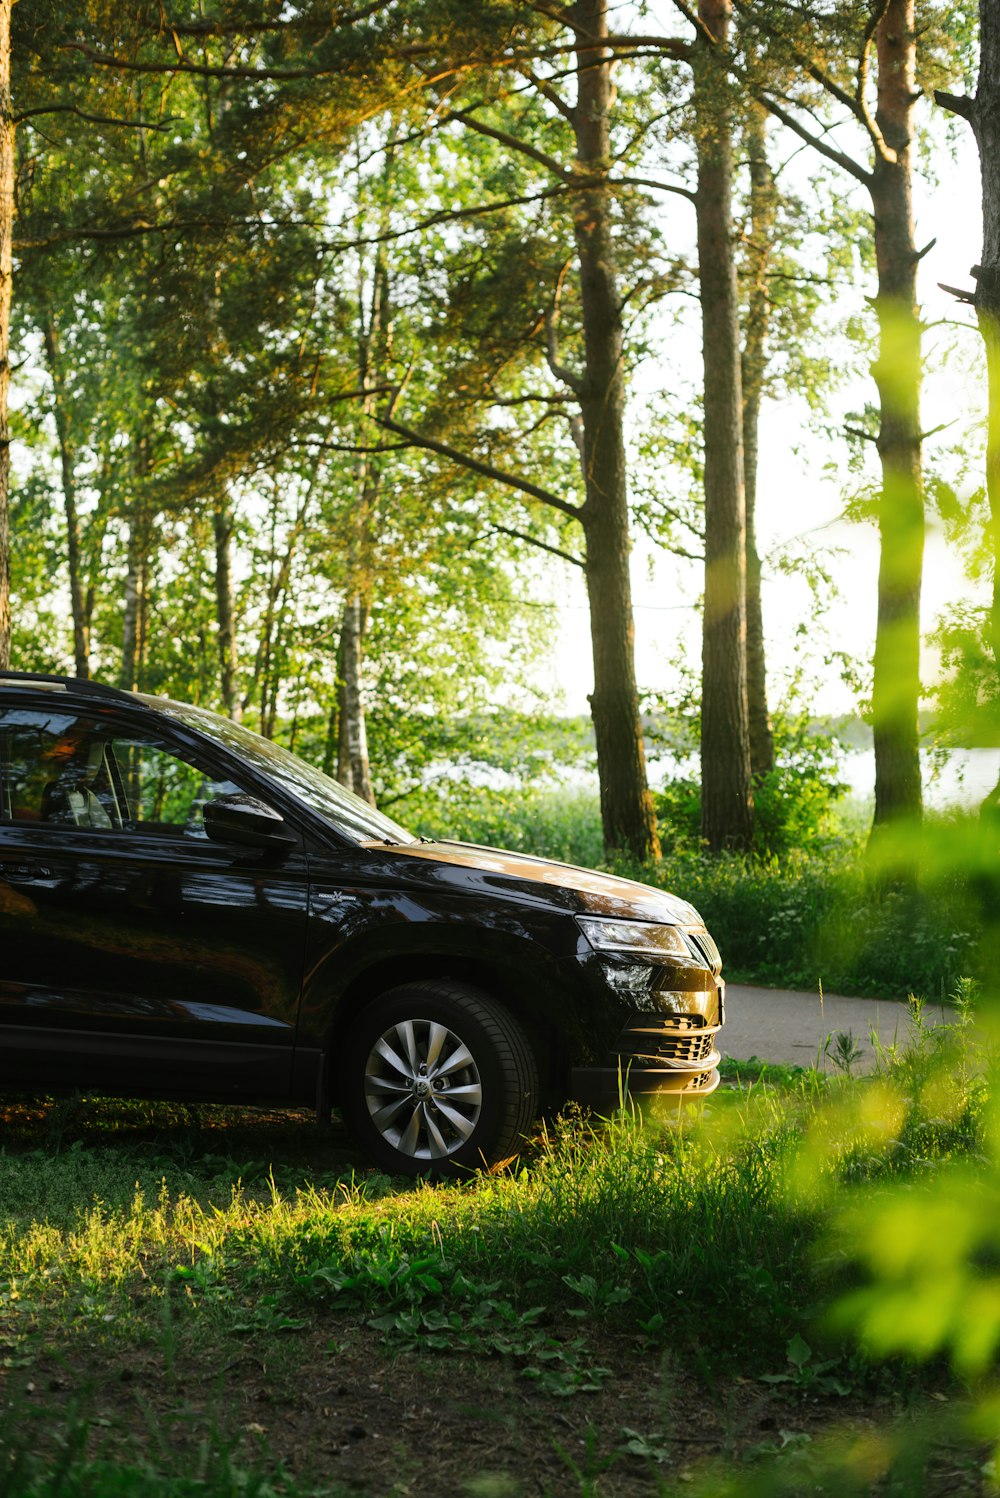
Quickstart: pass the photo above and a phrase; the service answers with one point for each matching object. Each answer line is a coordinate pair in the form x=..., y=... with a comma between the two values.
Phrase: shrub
x=795, y=804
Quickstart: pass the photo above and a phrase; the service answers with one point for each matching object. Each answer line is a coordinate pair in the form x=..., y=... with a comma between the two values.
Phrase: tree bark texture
x=627, y=813
x=896, y=680
x=6, y=274
x=352, y=757
x=134, y=574
x=753, y=370
x=222, y=519
x=726, y=798
x=77, y=591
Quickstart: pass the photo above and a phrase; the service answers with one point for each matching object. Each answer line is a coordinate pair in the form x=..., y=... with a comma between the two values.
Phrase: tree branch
x=955, y=104
x=486, y=470
x=564, y=16
x=560, y=371
x=669, y=46
x=443, y=216
x=840, y=158
x=874, y=21
x=93, y=119
x=681, y=192
x=966, y=297
x=466, y=117
x=251, y=27
x=556, y=551
x=547, y=91
x=201, y=70
x=855, y=102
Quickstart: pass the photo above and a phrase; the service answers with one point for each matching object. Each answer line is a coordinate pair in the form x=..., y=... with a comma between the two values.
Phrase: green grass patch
x=169, y=1244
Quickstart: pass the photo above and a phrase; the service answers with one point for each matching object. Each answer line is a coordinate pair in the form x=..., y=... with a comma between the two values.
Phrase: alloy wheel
x=423, y=1089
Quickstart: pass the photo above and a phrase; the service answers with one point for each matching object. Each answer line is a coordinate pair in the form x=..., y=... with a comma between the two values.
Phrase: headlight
x=646, y=938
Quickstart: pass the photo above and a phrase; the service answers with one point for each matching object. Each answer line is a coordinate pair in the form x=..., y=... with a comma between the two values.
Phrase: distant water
x=958, y=777
x=953, y=777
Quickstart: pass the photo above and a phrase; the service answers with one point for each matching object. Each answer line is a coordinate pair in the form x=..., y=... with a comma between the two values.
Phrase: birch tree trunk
x=353, y=766
x=133, y=597
x=352, y=759
x=6, y=272
x=896, y=681
x=77, y=591
x=726, y=799
x=140, y=529
x=627, y=812
x=753, y=369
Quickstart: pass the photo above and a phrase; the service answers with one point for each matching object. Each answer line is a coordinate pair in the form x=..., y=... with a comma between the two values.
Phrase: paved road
x=778, y=1025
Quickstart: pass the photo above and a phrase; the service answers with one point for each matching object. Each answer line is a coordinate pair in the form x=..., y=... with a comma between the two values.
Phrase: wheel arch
x=504, y=981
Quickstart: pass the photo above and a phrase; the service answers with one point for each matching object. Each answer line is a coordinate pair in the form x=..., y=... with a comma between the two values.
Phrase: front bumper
x=668, y=1053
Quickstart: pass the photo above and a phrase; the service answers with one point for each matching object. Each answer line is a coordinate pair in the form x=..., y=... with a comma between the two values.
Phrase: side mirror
x=247, y=821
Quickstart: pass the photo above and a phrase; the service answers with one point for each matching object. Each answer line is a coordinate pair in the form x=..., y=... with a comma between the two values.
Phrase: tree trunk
x=332, y=730
x=896, y=681
x=352, y=758
x=77, y=592
x=627, y=813
x=726, y=798
x=6, y=272
x=983, y=114
x=223, y=523
x=753, y=369
x=375, y=326
x=133, y=595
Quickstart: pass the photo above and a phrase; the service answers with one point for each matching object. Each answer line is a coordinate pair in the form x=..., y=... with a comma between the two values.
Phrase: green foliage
x=805, y=919
x=563, y=824
x=795, y=803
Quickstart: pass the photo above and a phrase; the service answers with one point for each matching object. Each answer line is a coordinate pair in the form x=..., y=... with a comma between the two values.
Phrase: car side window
x=54, y=770
x=161, y=792
x=64, y=770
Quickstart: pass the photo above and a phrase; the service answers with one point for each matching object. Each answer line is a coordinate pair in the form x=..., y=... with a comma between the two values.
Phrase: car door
x=136, y=953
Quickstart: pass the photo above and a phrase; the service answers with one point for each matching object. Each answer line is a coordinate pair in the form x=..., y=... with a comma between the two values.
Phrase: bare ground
x=334, y=1404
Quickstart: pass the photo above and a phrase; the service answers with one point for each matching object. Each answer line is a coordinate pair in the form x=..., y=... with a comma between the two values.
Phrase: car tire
x=438, y=1079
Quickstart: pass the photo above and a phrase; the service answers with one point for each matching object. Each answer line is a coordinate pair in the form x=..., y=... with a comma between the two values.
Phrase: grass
x=139, y=1237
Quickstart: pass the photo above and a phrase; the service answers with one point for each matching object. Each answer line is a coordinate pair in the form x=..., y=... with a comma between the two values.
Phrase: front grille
x=659, y=1044
x=675, y=1023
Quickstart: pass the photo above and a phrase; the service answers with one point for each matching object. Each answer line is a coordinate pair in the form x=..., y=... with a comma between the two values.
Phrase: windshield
x=323, y=795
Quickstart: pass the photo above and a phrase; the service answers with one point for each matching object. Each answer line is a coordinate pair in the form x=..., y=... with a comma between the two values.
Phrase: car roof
x=47, y=682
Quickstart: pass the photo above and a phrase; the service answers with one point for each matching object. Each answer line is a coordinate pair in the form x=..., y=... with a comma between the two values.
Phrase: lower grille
x=673, y=1040
x=700, y=1082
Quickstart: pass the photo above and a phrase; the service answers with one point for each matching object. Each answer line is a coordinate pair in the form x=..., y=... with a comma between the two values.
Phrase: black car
x=189, y=911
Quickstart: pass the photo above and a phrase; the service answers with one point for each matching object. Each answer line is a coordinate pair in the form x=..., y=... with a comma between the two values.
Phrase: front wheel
x=438, y=1078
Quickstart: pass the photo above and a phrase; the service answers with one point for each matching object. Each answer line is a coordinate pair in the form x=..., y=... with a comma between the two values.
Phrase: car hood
x=581, y=889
